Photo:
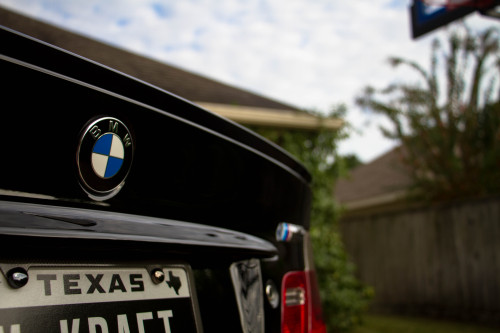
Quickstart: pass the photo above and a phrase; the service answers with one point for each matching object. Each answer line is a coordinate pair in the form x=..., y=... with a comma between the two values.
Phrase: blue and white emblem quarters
x=104, y=157
x=107, y=155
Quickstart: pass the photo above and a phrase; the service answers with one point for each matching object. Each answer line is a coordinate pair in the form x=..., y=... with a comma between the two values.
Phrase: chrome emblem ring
x=104, y=157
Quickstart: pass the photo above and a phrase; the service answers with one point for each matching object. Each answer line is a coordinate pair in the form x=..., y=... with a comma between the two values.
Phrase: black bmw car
x=124, y=208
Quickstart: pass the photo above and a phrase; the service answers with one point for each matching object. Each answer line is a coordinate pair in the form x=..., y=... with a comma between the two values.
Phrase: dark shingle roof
x=385, y=175
x=182, y=83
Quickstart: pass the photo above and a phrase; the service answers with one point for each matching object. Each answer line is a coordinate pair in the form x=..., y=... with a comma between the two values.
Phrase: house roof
x=180, y=82
x=382, y=181
x=211, y=94
x=237, y=104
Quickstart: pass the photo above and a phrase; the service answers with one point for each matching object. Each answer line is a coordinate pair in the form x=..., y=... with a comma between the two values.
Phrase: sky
x=312, y=54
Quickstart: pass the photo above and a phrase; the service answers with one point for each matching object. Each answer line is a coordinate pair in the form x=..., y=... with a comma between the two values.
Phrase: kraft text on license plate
x=99, y=299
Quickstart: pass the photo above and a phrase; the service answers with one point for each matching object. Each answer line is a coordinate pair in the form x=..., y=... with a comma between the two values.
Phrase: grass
x=392, y=324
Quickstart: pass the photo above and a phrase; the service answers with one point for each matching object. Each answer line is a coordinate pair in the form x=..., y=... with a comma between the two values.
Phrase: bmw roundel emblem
x=104, y=157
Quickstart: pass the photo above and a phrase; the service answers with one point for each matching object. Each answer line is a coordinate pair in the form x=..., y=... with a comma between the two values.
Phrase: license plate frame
x=99, y=298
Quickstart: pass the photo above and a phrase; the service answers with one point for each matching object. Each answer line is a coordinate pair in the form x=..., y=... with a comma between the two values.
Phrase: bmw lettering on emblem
x=104, y=157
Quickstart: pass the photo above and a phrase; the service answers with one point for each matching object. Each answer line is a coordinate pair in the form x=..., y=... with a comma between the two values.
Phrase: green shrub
x=344, y=297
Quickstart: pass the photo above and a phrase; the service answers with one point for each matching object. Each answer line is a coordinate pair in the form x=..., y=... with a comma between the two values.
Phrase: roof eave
x=267, y=117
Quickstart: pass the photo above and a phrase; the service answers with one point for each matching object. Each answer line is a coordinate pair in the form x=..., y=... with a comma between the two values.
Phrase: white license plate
x=99, y=299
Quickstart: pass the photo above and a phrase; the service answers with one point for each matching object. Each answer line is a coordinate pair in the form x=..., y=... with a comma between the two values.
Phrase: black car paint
x=189, y=166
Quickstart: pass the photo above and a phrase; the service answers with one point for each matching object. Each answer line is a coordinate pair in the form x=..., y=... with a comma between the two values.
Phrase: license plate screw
x=157, y=276
x=17, y=277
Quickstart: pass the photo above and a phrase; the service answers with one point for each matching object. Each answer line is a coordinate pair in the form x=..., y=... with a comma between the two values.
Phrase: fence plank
x=440, y=260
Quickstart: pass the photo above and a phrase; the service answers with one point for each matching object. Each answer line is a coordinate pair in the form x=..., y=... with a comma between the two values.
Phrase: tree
x=344, y=297
x=450, y=132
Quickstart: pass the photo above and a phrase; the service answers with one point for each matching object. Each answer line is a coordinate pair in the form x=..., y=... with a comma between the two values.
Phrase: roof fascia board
x=271, y=117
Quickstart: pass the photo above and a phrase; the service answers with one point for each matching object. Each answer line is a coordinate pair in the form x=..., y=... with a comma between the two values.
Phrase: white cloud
x=312, y=54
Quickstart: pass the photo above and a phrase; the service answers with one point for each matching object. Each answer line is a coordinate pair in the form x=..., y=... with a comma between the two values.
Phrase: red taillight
x=301, y=304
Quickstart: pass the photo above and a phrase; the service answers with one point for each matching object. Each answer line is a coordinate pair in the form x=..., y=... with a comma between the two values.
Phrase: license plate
x=99, y=299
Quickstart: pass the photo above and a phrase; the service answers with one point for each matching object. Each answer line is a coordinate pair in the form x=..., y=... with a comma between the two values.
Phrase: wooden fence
x=442, y=261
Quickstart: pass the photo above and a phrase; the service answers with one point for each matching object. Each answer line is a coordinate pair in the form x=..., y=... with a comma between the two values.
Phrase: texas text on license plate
x=77, y=299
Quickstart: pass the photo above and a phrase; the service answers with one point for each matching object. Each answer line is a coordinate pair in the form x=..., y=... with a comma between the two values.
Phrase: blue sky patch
x=54, y=7
x=195, y=46
x=162, y=11
x=123, y=22
x=199, y=31
x=396, y=4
